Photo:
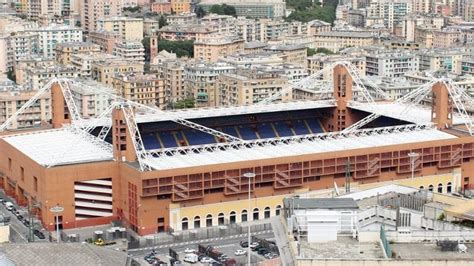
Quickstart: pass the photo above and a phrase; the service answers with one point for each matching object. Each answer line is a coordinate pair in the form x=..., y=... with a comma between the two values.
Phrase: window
x=197, y=222
x=243, y=216
x=440, y=188
x=35, y=183
x=255, y=214
x=220, y=219
x=266, y=213
x=422, y=187
x=232, y=217
x=10, y=164
x=449, y=187
x=22, y=173
x=184, y=224
x=277, y=210
x=209, y=220
x=430, y=188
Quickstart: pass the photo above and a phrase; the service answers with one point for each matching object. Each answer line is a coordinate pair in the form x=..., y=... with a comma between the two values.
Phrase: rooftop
x=353, y=34
x=429, y=251
x=60, y=147
x=320, y=203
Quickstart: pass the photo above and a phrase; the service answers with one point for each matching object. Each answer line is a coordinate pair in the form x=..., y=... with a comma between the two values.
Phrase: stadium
x=162, y=171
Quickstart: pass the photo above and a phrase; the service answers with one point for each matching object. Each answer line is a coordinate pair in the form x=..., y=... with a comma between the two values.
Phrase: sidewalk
x=282, y=241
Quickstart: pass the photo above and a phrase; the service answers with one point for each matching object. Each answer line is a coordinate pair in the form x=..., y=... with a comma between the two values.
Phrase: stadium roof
x=60, y=147
x=406, y=112
x=232, y=110
x=374, y=139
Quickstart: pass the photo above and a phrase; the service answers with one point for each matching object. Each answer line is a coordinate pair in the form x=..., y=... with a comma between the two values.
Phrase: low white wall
x=369, y=236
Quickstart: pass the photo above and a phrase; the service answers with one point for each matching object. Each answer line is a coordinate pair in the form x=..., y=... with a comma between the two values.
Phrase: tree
x=146, y=45
x=11, y=75
x=182, y=104
x=223, y=10
x=181, y=48
x=306, y=11
x=200, y=12
x=162, y=22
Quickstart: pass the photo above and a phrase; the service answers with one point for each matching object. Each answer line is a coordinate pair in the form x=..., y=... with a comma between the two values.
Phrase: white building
x=133, y=51
x=391, y=63
x=49, y=36
x=321, y=219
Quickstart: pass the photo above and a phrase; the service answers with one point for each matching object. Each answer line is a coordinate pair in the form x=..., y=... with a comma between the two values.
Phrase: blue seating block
x=283, y=129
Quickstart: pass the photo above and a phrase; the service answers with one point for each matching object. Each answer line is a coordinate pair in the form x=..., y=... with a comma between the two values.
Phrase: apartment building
x=83, y=62
x=337, y=40
x=391, y=63
x=467, y=66
x=294, y=54
x=12, y=100
x=105, y=39
x=104, y=70
x=424, y=36
x=391, y=12
x=318, y=62
x=133, y=51
x=448, y=59
x=201, y=78
x=38, y=75
x=94, y=10
x=150, y=27
x=145, y=89
x=89, y=101
x=182, y=18
x=213, y=47
x=50, y=36
x=38, y=8
x=318, y=26
x=172, y=73
x=161, y=7
x=246, y=60
x=251, y=8
x=185, y=32
x=447, y=38
x=181, y=6
x=64, y=51
x=250, y=86
x=129, y=29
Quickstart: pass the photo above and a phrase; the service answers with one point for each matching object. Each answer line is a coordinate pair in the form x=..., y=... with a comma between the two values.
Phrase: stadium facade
x=184, y=177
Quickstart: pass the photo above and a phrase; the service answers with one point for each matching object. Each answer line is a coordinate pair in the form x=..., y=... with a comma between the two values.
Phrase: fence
x=196, y=234
x=386, y=245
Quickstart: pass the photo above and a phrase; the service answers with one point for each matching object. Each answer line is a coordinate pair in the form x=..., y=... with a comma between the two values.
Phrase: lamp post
x=249, y=176
x=413, y=156
x=56, y=210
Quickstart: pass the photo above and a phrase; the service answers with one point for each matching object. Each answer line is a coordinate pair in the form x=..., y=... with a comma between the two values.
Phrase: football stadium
x=162, y=171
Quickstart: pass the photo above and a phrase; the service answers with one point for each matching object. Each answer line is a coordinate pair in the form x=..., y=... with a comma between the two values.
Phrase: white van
x=9, y=205
x=191, y=258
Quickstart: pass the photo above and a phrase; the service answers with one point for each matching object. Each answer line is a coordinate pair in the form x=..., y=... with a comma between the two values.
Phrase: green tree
x=181, y=48
x=182, y=104
x=306, y=12
x=146, y=45
x=200, y=12
x=11, y=75
x=162, y=22
x=223, y=10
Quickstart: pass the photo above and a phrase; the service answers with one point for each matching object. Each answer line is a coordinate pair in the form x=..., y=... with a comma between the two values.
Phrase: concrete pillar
x=342, y=89
x=442, y=107
x=59, y=111
x=122, y=143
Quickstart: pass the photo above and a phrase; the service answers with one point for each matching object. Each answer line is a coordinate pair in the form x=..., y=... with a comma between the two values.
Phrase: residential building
x=446, y=59
x=424, y=36
x=173, y=78
x=161, y=7
x=337, y=40
x=12, y=100
x=245, y=60
x=185, y=32
x=447, y=38
x=469, y=11
x=467, y=66
x=133, y=51
x=90, y=102
x=247, y=86
x=318, y=62
x=181, y=6
x=104, y=70
x=150, y=26
x=251, y=8
x=201, y=81
x=65, y=50
x=248, y=29
x=38, y=75
x=144, y=89
x=318, y=26
x=83, y=62
x=391, y=63
x=185, y=18
x=294, y=54
x=51, y=35
x=106, y=40
x=391, y=12
x=93, y=10
x=212, y=47
x=130, y=29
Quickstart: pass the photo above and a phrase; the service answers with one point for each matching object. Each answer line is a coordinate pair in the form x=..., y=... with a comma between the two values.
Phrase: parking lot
x=20, y=221
x=226, y=252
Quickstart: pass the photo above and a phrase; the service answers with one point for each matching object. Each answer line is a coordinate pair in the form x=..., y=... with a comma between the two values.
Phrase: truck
x=191, y=258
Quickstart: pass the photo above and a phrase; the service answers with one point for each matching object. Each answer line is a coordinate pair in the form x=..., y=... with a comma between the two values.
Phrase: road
x=19, y=232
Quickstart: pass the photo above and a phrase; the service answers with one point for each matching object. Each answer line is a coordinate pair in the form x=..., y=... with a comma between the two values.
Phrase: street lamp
x=249, y=176
x=56, y=210
x=413, y=156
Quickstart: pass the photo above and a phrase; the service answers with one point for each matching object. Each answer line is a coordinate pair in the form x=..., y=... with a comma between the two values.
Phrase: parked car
x=39, y=234
x=20, y=217
x=189, y=250
x=244, y=244
x=240, y=252
x=262, y=251
x=26, y=222
x=9, y=206
x=2, y=201
x=207, y=260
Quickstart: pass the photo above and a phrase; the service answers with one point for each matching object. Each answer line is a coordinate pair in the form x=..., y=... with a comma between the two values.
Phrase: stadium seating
x=168, y=139
x=151, y=142
x=196, y=137
x=314, y=125
x=247, y=132
x=266, y=131
x=300, y=127
x=283, y=129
